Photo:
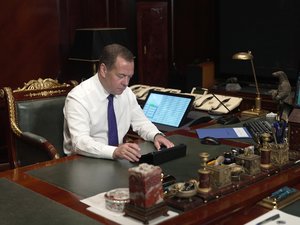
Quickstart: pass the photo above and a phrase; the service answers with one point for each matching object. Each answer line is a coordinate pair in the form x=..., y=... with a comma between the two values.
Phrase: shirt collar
x=101, y=89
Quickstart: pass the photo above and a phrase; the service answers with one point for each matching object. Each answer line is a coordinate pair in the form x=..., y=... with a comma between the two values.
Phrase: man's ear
x=102, y=70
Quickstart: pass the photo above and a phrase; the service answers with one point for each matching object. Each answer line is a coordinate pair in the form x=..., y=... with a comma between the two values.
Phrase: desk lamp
x=257, y=111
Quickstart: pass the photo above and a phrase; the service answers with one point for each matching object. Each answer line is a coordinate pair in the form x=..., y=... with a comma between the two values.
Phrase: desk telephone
x=208, y=102
x=203, y=100
x=141, y=91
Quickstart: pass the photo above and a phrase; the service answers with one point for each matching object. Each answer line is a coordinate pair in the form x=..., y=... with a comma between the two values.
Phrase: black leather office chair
x=35, y=121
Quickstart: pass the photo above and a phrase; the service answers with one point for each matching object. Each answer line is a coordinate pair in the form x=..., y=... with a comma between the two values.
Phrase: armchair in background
x=35, y=121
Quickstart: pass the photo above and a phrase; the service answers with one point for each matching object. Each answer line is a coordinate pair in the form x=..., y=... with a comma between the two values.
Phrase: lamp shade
x=89, y=42
x=243, y=56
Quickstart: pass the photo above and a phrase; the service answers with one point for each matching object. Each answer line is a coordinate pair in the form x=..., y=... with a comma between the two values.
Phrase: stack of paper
x=97, y=206
x=275, y=216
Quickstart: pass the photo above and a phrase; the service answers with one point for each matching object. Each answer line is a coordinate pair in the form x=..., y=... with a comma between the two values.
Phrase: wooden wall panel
x=152, y=31
x=92, y=14
x=29, y=40
x=194, y=31
x=75, y=14
x=36, y=35
x=123, y=14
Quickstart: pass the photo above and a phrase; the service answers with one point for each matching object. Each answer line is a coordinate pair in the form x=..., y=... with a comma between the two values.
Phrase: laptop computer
x=168, y=111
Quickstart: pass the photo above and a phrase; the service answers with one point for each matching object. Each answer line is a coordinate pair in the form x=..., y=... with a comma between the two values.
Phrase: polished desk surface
x=68, y=180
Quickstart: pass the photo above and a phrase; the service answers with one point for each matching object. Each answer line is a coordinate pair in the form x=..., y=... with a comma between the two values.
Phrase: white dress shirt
x=86, y=127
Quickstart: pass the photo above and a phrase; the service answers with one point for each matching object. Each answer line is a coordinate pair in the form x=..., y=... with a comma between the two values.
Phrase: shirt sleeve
x=77, y=138
x=141, y=124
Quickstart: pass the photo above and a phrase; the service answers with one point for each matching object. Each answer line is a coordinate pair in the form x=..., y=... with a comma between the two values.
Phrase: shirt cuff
x=157, y=134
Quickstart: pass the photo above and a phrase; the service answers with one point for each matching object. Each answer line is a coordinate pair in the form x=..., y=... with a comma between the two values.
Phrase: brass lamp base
x=254, y=112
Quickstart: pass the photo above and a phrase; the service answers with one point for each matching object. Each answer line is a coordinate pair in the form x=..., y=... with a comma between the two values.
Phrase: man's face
x=117, y=79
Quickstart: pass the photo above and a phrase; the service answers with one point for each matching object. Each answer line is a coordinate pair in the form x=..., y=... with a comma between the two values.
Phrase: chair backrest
x=35, y=120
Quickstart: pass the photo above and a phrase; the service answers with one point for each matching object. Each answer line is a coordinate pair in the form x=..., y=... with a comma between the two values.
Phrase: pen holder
x=279, y=153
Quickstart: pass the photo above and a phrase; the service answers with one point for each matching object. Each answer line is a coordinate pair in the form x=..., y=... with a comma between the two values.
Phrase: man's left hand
x=160, y=140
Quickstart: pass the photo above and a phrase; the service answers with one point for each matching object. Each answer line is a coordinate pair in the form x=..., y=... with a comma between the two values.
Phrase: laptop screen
x=167, y=108
x=297, y=94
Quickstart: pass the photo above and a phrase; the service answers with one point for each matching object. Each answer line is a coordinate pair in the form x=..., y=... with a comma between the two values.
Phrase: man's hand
x=129, y=151
x=160, y=140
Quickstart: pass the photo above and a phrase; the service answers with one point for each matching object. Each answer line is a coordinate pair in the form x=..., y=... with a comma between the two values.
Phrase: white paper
x=240, y=132
x=284, y=217
x=97, y=206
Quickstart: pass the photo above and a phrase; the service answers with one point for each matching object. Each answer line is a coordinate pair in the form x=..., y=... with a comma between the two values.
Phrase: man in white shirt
x=85, y=111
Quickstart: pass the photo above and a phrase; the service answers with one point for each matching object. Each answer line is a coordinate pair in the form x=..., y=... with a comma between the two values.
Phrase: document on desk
x=228, y=132
x=275, y=216
x=97, y=206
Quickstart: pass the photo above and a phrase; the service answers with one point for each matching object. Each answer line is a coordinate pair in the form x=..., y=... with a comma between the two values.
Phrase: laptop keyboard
x=258, y=127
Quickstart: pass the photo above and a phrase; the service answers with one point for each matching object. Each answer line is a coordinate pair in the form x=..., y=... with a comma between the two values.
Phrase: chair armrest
x=41, y=142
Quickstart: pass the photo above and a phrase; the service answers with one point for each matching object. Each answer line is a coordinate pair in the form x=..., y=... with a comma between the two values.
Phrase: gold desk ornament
x=204, y=174
x=250, y=162
x=236, y=172
x=265, y=152
x=279, y=153
x=266, y=138
x=220, y=175
x=265, y=157
x=280, y=198
x=185, y=189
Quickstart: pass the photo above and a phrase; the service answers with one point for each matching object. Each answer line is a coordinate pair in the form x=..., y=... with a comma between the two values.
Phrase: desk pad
x=19, y=205
x=89, y=176
x=85, y=176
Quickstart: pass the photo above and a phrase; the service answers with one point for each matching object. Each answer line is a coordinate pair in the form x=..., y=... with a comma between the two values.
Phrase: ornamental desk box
x=220, y=175
x=250, y=162
x=145, y=193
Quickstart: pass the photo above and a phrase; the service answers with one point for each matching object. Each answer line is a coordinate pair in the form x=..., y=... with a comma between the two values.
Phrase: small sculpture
x=232, y=84
x=283, y=92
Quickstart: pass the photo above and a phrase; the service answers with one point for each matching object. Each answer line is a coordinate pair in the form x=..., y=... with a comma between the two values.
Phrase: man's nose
x=126, y=80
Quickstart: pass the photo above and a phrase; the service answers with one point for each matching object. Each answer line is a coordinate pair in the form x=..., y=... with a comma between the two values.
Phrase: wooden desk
x=236, y=208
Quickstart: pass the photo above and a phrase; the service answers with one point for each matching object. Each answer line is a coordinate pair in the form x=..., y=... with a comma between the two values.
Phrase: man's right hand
x=129, y=151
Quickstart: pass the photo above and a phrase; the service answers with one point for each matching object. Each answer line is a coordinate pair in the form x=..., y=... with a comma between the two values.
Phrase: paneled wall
x=29, y=40
x=36, y=35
